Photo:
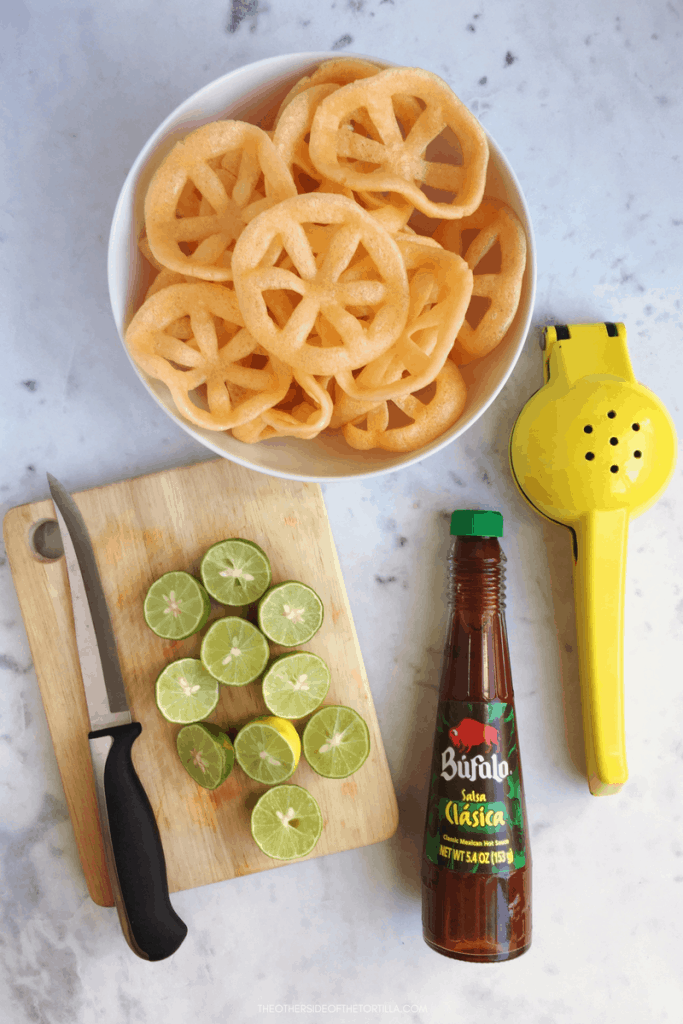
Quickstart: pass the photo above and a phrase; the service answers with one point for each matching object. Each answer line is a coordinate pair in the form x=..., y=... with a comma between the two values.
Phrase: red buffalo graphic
x=470, y=733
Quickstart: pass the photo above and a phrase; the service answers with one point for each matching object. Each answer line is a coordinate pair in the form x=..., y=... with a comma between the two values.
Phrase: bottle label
x=475, y=814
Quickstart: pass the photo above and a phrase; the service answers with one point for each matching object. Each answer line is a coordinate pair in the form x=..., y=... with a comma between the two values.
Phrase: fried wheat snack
x=430, y=418
x=305, y=419
x=322, y=335
x=392, y=161
x=474, y=237
x=338, y=71
x=440, y=288
x=291, y=139
x=212, y=356
x=237, y=172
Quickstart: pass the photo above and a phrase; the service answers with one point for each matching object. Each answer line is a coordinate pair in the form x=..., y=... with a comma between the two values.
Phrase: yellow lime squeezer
x=590, y=450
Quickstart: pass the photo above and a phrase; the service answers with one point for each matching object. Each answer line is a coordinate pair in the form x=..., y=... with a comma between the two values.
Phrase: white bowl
x=251, y=93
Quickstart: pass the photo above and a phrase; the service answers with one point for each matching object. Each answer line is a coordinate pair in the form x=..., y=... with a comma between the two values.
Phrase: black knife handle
x=140, y=866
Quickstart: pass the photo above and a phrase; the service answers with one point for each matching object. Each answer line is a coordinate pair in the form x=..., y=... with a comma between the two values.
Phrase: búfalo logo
x=466, y=735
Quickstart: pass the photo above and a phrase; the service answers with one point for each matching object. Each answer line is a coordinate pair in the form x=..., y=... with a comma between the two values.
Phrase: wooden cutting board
x=140, y=529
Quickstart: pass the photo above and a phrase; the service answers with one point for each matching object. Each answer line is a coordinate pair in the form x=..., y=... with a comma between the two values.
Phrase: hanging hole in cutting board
x=45, y=540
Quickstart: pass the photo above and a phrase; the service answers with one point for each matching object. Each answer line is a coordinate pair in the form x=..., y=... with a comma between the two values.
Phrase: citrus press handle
x=590, y=389
x=600, y=575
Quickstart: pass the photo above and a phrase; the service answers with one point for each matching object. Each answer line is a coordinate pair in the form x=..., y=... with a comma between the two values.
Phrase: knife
x=132, y=845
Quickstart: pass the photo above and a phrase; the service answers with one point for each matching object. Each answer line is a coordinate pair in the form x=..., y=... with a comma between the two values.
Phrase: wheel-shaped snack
x=291, y=138
x=430, y=418
x=322, y=335
x=211, y=356
x=309, y=412
x=143, y=246
x=309, y=416
x=390, y=210
x=236, y=170
x=347, y=409
x=495, y=291
x=338, y=71
x=164, y=278
x=385, y=160
x=440, y=288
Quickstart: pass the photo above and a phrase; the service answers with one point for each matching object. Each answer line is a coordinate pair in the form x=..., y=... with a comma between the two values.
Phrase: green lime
x=234, y=651
x=286, y=822
x=268, y=749
x=176, y=606
x=186, y=692
x=225, y=743
x=295, y=684
x=336, y=741
x=236, y=571
x=290, y=613
x=206, y=753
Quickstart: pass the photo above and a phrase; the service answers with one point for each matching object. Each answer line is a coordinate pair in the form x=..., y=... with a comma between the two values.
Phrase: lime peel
x=206, y=754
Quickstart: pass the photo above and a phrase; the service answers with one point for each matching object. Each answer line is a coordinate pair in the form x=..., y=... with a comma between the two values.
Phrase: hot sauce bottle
x=476, y=868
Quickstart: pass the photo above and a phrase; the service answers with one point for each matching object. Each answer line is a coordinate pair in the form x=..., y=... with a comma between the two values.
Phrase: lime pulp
x=286, y=822
x=336, y=741
x=235, y=572
x=268, y=749
x=295, y=684
x=186, y=692
x=234, y=651
x=290, y=613
x=176, y=606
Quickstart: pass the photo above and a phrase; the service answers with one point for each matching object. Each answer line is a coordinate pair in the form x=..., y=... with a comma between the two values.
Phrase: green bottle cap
x=476, y=522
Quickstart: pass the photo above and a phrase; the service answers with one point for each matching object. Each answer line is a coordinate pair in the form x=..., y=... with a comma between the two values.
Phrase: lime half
x=295, y=684
x=186, y=692
x=268, y=749
x=336, y=741
x=290, y=613
x=176, y=606
x=225, y=744
x=286, y=822
x=207, y=754
x=236, y=571
x=234, y=651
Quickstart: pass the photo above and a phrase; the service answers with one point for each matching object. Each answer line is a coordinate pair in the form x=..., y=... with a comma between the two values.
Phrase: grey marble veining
x=586, y=102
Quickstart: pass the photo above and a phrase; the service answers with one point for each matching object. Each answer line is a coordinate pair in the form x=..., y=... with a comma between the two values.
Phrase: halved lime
x=336, y=741
x=176, y=606
x=186, y=692
x=206, y=753
x=225, y=743
x=236, y=571
x=234, y=651
x=268, y=749
x=286, y=822
x=290, y=613
x=295, y=684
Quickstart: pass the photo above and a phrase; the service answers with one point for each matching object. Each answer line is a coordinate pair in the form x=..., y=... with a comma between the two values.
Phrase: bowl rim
x=124, y=206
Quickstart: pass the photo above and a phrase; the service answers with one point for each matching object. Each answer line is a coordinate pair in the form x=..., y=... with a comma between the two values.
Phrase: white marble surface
x=586, y=101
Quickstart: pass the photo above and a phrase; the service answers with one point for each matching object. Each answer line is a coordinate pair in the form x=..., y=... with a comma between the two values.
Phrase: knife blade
x=132, y=845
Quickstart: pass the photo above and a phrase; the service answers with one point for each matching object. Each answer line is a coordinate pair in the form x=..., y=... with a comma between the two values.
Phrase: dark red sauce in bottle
x=476, y=869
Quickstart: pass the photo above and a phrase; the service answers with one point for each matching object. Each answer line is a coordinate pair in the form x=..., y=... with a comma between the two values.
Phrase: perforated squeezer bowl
x=591, y=450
